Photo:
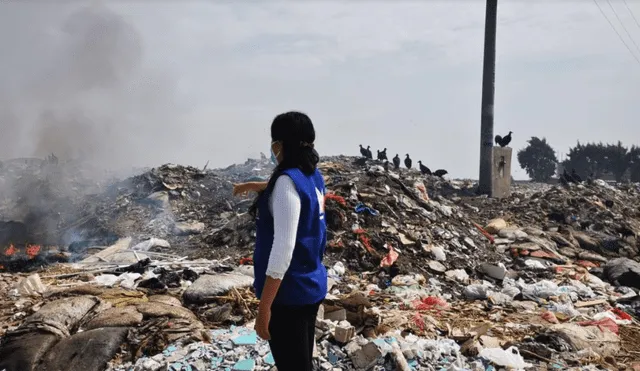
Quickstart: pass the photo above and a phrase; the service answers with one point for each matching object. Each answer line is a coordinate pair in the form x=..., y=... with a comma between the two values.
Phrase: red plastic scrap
x=550, y=317
x=390, y=258
x=621, y=314
x=587, y=264
x=430, y=303
x=485, y=233
x=605, y=323
x=246, y=261
x=336, y=198
x=543, y=254
x=366, y=241
x=417, y=319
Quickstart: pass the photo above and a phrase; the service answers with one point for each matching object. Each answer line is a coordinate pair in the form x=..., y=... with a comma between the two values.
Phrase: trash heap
x=423, y=275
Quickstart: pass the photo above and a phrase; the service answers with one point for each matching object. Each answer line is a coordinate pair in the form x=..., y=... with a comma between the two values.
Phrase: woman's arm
x=243, y=188
x=285, y=207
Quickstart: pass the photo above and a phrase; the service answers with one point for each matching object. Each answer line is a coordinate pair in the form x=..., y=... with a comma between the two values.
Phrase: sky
x=142, y=83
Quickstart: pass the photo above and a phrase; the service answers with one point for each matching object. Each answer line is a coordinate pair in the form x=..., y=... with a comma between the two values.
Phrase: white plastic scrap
x=510, y=357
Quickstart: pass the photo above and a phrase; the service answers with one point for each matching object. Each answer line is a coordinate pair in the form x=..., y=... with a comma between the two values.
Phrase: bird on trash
x=575, y=176
x=407, y=162
x=440, y=173
x=363, y=151
x=369, y=154
x=423, y=169
x=566, y=178
x=382, y=155
x=396, y=162
x=386, y=165
x=503, y=141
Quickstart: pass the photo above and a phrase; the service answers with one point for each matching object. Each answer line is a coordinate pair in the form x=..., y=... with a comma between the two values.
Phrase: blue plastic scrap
x=362, y=208
x=268, y=359
x=244, y=365
x=251, y=338
x=170, y=349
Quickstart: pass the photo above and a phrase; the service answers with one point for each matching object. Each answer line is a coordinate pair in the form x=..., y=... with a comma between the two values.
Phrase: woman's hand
x=262, y=323
x=244, y=188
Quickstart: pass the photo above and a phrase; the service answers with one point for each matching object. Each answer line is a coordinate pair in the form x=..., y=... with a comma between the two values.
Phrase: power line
x=623, y=26
x=631, y=12
x=616, y=31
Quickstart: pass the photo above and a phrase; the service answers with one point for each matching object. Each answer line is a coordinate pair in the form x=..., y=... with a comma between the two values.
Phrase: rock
x=437, y=266
x=438, y=253
x=495, y=226
x=336, y=316
x=207, y=287
x=366, y=357
x=88, y=350
x=344, y=332
x=493, y=271
x=457, y=274
x=188, y=228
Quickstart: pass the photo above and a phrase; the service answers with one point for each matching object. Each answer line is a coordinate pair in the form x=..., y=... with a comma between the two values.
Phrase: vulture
x=503, y=141
x=440, y=173
x=407, y=162
x=424, y=169
x=396, y=162
x=369, y=154
x=382, y=155
x=363, y=151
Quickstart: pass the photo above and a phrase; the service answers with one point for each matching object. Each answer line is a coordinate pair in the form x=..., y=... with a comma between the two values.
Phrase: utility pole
x=485, y=183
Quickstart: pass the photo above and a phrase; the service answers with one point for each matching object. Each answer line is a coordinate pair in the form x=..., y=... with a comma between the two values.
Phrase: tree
x=616, y=159
x=600, y=160
x=538, y=159
x=633, y=159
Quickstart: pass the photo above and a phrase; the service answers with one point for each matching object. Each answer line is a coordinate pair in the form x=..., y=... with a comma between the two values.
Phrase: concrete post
x=488, y=93
x=501, y=172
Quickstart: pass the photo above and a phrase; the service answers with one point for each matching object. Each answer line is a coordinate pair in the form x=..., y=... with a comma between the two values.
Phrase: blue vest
x=306, y=279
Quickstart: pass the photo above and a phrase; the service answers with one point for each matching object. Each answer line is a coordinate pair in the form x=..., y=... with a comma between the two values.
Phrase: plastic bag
x=507, y=358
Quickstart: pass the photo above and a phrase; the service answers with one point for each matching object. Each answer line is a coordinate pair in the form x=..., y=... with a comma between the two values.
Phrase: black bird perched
x=503, y=141
x=396, y=162
x=575, y=176
x=424, y=169
x=386, y=165
x=369, y=154
x=566, y=178
x=440, y=172
x=407, y=162
x=382, y=155
x=363, y=151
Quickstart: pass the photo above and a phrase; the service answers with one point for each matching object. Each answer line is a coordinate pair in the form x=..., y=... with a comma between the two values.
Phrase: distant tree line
x=600, y=160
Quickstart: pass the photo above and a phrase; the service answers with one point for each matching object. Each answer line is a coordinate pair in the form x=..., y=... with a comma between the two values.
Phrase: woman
x=290, y=279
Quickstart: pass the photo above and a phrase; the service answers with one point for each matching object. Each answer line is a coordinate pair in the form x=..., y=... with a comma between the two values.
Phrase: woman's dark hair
x=295, y=132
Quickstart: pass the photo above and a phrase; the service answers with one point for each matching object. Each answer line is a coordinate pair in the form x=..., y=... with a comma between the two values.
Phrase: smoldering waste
x=153, y=272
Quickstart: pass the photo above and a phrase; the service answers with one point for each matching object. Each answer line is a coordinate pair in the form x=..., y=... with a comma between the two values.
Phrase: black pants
x=292, y=330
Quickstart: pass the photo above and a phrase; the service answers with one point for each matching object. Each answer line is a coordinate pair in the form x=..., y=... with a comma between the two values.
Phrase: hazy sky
x=143, y=83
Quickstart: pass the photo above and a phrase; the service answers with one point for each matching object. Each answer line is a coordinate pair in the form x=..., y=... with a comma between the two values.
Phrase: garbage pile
x=423, y=275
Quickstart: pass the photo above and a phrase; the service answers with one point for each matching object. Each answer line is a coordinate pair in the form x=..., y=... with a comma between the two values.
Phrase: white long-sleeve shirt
x=284, y=204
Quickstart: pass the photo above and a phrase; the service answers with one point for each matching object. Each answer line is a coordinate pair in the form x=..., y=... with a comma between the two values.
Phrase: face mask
x=274, y=157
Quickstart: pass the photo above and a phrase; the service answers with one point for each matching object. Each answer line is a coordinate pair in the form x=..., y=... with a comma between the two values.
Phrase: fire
x=10, y=250
x=32, y=251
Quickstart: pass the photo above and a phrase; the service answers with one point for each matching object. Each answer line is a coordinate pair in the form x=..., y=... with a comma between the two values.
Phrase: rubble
x=154, y=272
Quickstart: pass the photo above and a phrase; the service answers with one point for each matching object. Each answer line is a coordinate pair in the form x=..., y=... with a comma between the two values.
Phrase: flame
x=10, y=250
x=32, y=251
